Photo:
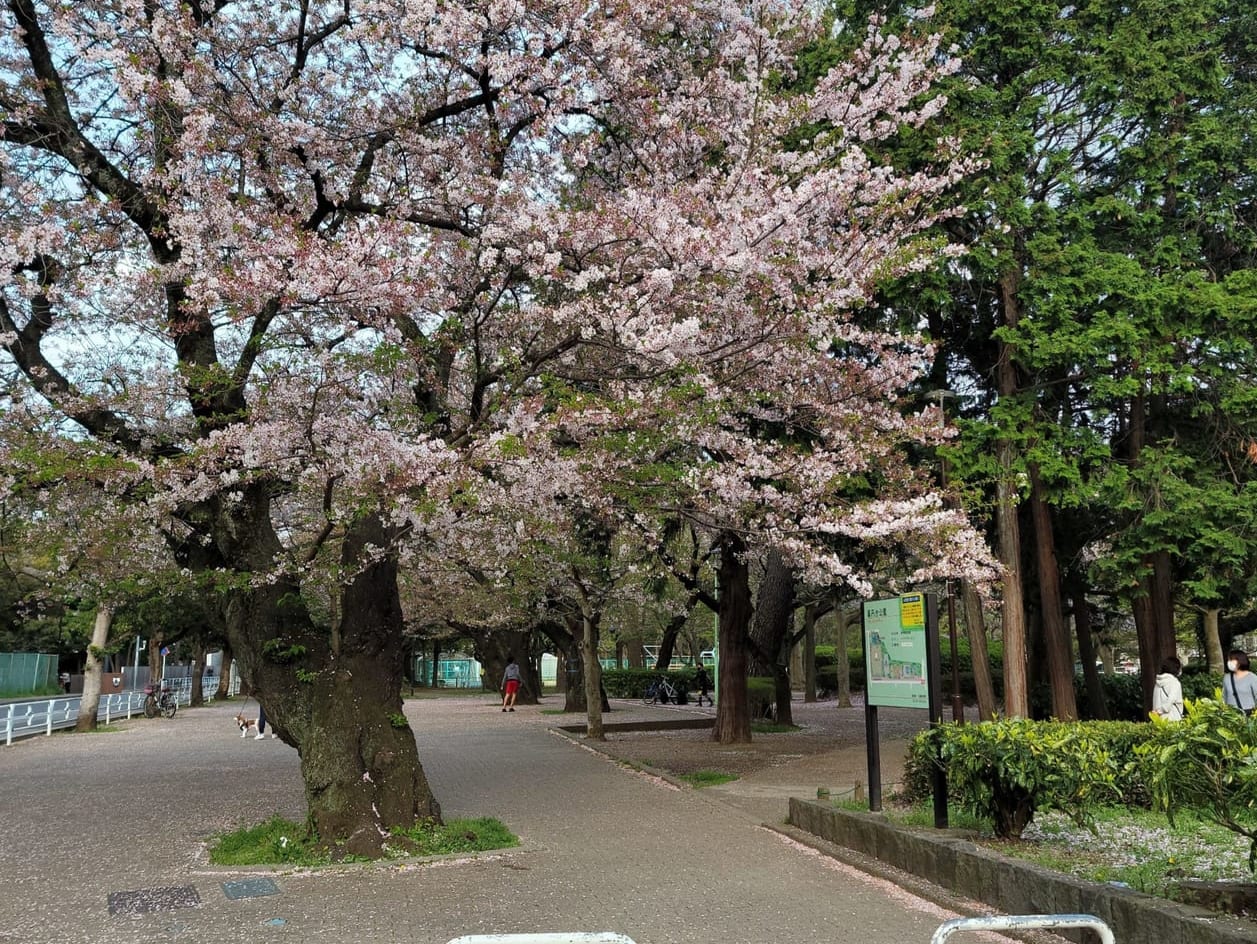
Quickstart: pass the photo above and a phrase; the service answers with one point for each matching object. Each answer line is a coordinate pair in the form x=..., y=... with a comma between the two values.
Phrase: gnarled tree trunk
x=333, y=693
x=770, y=631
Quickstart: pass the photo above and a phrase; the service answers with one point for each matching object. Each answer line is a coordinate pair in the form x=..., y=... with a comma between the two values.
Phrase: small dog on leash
x=246, y=725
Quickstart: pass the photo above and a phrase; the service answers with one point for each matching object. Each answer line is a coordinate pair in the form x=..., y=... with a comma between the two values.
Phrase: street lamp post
x=957, y=702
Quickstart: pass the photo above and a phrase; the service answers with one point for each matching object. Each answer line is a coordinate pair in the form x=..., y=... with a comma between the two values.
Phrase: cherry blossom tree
x=316, y=275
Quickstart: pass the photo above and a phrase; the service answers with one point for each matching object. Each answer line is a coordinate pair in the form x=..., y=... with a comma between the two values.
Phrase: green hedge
x=761, y=695
x=1003, y=771
x=632, y=683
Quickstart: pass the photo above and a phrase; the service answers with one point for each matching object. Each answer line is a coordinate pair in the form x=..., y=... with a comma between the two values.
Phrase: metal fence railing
x=44, y=715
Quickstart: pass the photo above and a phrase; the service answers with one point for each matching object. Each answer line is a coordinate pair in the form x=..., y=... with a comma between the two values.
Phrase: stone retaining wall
x=1014, y=887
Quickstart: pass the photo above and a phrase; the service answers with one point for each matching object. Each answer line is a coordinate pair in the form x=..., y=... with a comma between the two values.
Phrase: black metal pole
x=957, y=702
x=874, y=750
x=872, y=745
x=934, y=670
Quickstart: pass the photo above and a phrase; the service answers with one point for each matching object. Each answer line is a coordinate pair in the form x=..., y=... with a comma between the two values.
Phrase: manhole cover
x=250, y=888
x=148, y=900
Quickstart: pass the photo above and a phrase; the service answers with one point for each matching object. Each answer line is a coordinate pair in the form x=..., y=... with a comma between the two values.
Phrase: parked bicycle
x=662, y=691
x=159, y=701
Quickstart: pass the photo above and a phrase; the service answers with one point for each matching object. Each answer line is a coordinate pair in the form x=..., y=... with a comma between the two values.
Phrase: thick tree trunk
x=1007, y=500
x=224, y=674
x=1059, y=652
x=333, y=693
x=593, y=677
x=975, y=630
x=1096, y=704
x=358, y=755
x=196, y=697
x=156, y=643
x=89, y=704
x=571, y=668
x=770, y=630
x=667, y=645
x=1213, y=642
x=1154, y=623
x=1162, y=595
x=809, y=653
x=634, y=654
x=842, y=664
x=493, y=649
x=733, y=716
x=1153, y=605
x=1013, y=613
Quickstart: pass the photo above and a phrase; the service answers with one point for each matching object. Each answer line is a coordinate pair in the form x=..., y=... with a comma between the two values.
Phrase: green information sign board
x=895, y=656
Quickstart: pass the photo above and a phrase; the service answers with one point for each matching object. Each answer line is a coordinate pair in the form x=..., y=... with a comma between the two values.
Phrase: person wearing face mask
x=1239, y=688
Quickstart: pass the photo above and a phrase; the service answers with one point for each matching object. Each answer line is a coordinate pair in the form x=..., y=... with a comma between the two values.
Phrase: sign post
x=902, y=669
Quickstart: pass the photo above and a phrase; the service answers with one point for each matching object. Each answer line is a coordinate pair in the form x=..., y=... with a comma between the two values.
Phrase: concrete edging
x=654, y=724
x=1015, y=887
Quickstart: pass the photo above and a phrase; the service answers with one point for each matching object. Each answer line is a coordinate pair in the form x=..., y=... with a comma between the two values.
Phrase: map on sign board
x=895, y=653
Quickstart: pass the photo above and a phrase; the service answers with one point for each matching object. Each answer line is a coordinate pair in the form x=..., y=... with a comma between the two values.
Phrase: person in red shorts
x=510, y=684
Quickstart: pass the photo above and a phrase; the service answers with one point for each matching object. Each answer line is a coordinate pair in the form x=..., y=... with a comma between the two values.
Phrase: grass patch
x=275, y=841
x=772, y=727
x=708, y=778
x=279, y=841
x=460, y=835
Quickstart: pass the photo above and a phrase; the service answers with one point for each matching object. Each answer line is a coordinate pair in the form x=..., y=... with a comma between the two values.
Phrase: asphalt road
x=605, y=848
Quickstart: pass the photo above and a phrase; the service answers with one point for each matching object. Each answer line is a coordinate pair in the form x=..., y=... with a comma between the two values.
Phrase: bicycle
x=159, y=702
x=660, y=690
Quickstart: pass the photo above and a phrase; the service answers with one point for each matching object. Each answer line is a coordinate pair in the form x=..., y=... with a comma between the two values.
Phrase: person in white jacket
x=1167, y=694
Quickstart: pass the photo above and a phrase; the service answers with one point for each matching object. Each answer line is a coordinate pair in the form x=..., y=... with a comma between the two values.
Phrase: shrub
x=761, y=695
x=918, y=768
x=1207, y=763
x=1199, y=682
x=632, y=683
x=1122, y=740
x=1006, y=770
x=627, y=683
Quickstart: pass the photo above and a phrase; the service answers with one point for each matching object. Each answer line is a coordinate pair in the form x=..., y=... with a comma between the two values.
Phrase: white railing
x=45, y=715
x=1055, y=922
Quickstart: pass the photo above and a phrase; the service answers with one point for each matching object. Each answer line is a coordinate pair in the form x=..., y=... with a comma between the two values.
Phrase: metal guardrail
x=1024, y=923
x=44, y=715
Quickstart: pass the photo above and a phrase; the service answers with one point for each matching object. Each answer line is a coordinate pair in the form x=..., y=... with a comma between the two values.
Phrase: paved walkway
x=604, y=847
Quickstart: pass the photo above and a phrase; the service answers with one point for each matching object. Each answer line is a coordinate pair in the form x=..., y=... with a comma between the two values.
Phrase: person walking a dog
x=510, y=684
x=261, y=724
